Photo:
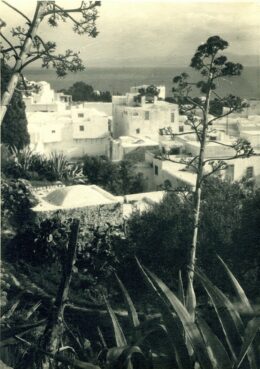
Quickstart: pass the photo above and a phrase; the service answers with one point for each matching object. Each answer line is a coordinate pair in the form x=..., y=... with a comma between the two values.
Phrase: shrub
x=16, y=202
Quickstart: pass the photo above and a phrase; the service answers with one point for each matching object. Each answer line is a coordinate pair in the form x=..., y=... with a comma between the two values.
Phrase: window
x=212, y=138
x=135, y=114
x=81, y=128
x=249, y=172
x=172, y=117
x=230, y=173
x=146, y=115
x=156, y=170
x=53, y=131
x=137, y=130
x=181, y=129
x=80, y=115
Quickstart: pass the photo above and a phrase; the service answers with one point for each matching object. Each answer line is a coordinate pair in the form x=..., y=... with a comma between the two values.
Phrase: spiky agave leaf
x=173, y=325
x=244, y=307
x=8, y=332
x=122, y=357
x=181, y=294
x=132, y=313
x=253, y=327
x=118, y=332
x=155, y=329
x=157, y=341
x=32, y=310
x=201, y=350
x=229, y=318
x=102, y=339
x=240, y=293
x=218, y=350
x=11, y=310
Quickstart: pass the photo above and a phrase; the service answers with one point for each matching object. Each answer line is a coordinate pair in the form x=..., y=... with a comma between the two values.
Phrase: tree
x=158, y=236
x=14, y=128
x=31, y=47
x=80, y=91
x=118, y=178
x=212, y=66
x=99, y=170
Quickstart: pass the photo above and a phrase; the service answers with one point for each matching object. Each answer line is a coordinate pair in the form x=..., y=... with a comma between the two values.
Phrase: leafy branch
x=33, y=48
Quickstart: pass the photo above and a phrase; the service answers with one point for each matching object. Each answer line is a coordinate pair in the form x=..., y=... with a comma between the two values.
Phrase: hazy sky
x=147, y=29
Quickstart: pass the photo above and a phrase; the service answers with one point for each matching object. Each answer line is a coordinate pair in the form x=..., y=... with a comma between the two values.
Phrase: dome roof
x=78, y=196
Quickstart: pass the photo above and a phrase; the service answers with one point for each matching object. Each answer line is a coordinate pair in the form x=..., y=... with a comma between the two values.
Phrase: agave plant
x=123, y=355
x=200, y=343
x=191, y=344
x=22, y=158
x=59, y=165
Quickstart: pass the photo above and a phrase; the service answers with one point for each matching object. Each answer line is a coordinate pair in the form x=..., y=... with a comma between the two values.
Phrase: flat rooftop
x=178, y=171
x=131, y=141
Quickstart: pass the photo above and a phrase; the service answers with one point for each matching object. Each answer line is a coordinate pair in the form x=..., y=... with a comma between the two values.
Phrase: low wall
x=89, y=216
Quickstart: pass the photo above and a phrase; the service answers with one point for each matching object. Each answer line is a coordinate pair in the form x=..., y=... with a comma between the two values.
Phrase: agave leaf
x=181, y=294
x=173, y=325
x=201, y=351
x=252, y=328
x=11, y=310
x=121, y=357
x=32, y=310
x=241, y=296
x=8, y=333
x=153, y=330
x=102, y=339
x=158, y=341
x=67, y=348
x=243, y=307
x=218, y=350
x=80, y=364
x=132, y=313
x=119, y=335
x=229, y=318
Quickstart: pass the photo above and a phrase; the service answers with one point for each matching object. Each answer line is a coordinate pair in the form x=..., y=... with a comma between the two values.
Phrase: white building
x=54, y=124
x=177, y=174
x=43, y=98
x=136, y=115
x=134, y=147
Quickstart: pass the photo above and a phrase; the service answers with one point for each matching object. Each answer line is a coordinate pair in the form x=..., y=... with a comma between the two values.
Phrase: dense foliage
x=14, y=126
x=80, y=91
x=118, y=178
x=29, y=165
x=162, y=235
x=224, y=334
x=43, y=243
x=16, y=202
x=246, y=249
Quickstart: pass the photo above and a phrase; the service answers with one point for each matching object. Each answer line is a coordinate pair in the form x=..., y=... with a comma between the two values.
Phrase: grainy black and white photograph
x=130, y=184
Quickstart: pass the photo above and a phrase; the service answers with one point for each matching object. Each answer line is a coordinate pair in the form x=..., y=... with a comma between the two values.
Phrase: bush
x=16, y=202
x=43, y=244
x=118, y=178
x=34, y=166
x=161, y=236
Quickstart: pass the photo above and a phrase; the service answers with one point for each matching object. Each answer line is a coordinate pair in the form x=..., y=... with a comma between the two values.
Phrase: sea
x=119, y=80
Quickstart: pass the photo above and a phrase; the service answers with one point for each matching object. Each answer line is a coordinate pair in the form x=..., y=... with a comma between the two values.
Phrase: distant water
x=119, y=80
